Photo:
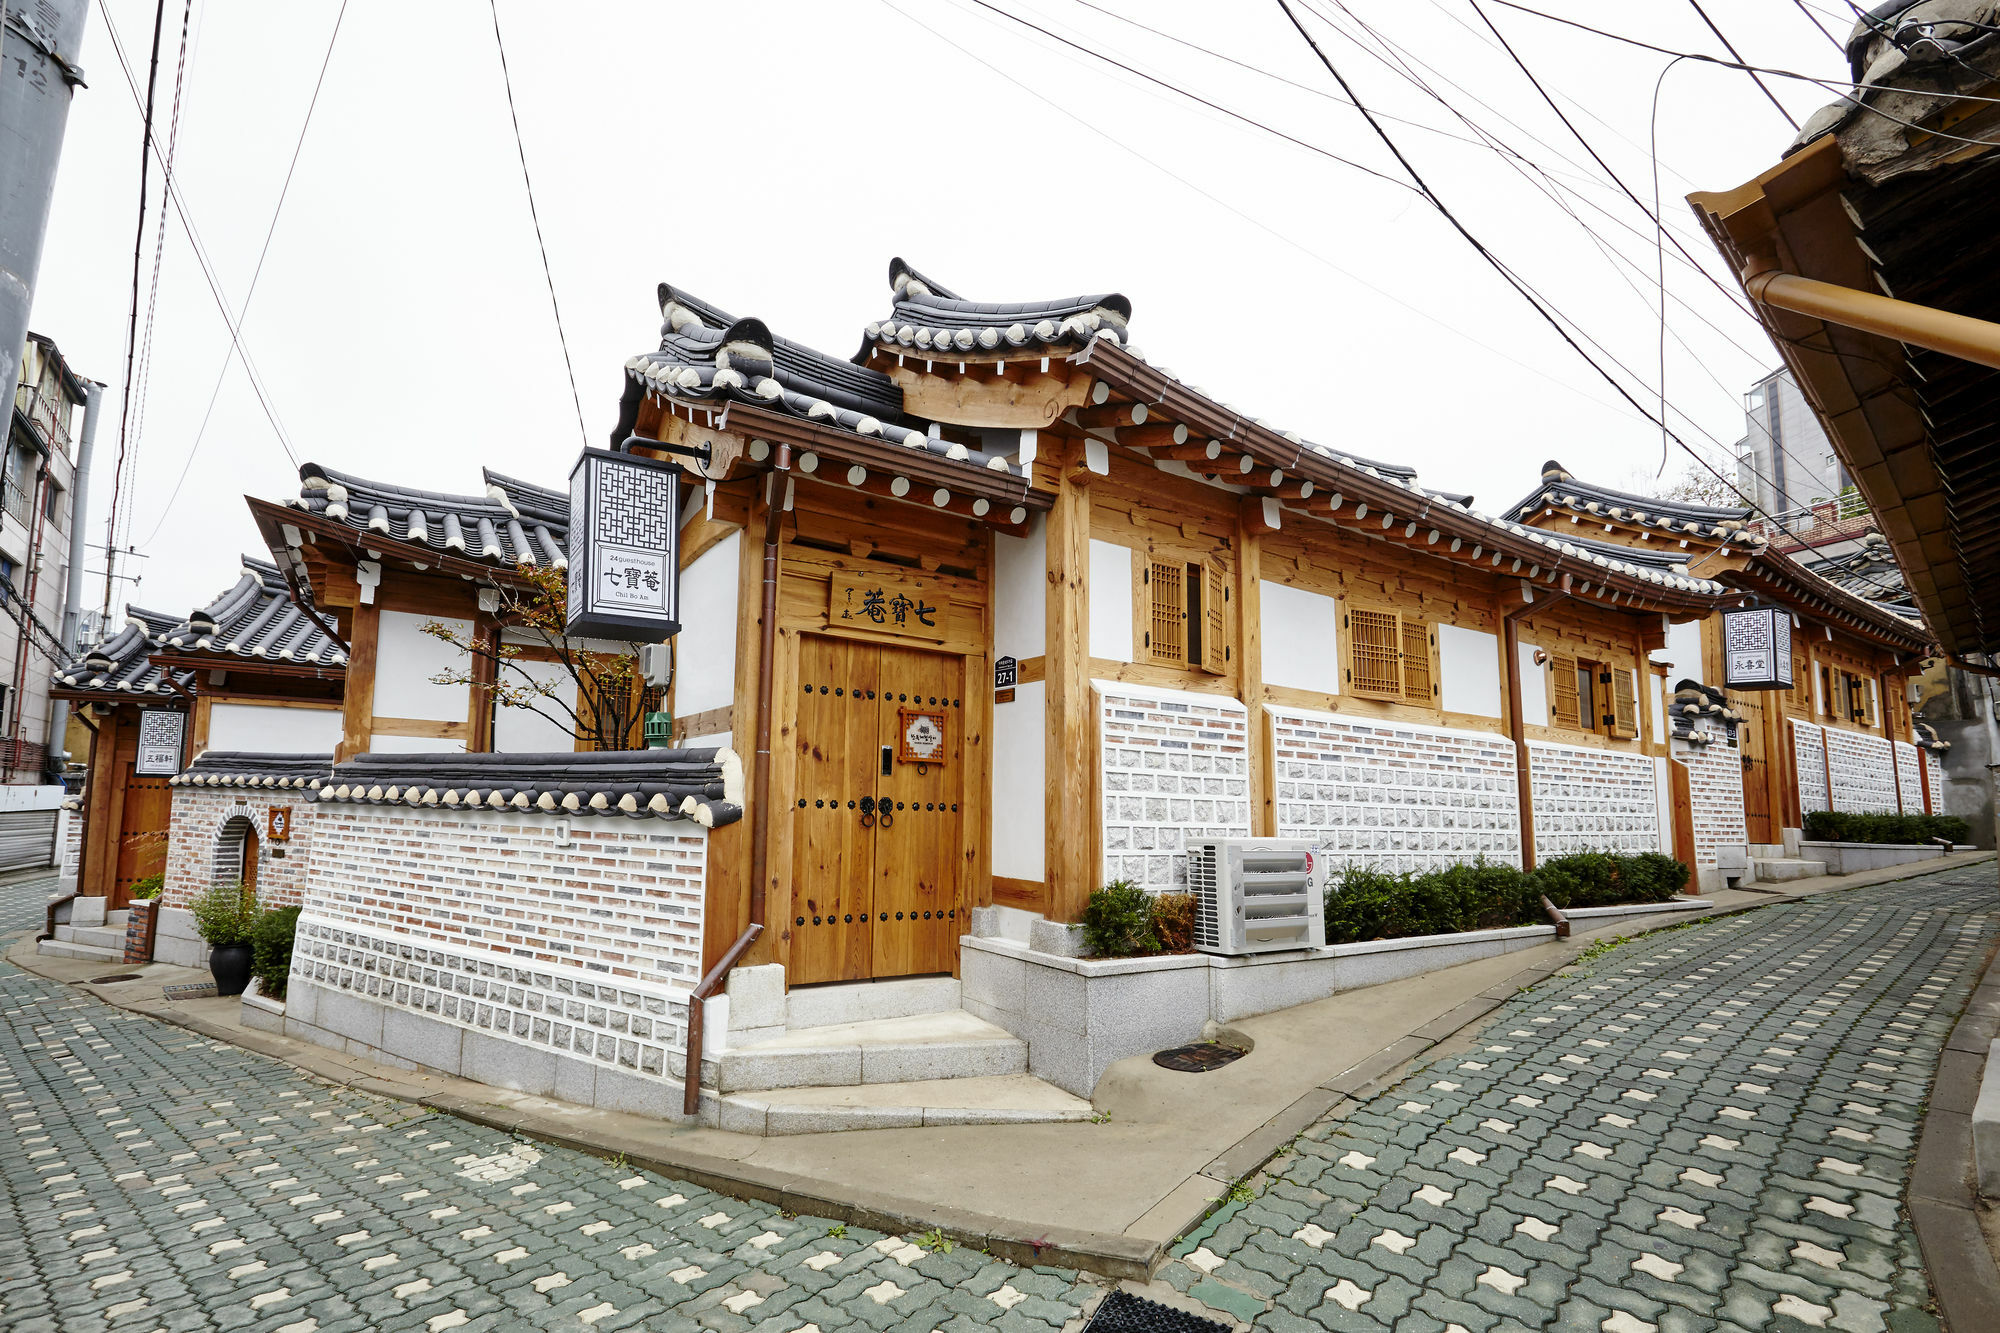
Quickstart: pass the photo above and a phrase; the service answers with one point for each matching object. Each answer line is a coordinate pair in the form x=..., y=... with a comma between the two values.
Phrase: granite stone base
x=176, y=940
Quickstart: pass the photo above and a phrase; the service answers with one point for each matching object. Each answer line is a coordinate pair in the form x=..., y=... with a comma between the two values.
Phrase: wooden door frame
x=971, y=781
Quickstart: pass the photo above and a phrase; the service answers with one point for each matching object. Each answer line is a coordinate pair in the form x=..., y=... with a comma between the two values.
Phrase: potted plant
x=223, y=915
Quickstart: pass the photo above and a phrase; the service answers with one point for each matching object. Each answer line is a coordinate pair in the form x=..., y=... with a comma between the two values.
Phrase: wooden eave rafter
x=1793, y=218
x=1788, y=585
x=1555, y=518
x=1415, y=520
x=247, y=666
x=1017, y=392
x=356, y=543
x=1000, y=499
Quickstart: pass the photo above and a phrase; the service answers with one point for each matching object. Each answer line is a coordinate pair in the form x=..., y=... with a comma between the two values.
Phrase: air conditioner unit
x=1257, y=895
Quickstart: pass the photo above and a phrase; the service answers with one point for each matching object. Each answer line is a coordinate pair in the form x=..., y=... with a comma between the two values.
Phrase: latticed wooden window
x=1624, y=704
x=1167, y=639
x=1374, y=653
x=1799, y=697
x=1215, y=623
x=1564, y=708
x=1417, y=682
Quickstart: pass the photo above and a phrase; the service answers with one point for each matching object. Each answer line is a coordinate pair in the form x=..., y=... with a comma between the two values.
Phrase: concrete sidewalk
x=1107, y=1196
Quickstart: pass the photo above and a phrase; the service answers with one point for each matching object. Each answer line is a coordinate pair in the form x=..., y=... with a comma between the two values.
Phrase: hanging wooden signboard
x=885, y=604
x=1757, y=649
x=624, y=543
x=278, y=823
x=160, y=733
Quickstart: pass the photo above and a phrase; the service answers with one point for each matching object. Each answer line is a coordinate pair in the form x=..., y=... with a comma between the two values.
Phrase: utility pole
x=38, y=49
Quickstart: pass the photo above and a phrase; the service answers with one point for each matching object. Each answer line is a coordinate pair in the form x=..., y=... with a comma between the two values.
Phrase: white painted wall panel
x=1301, y=638
x=1469, y=671
x=1110, y=601
x=1021, y=590
x=1534, y=687
x=273, y=729
x=705, y=650
x=414, y=745
x=405, y=660
x=518, y=731
x=1020, y=784
x=1682, y=653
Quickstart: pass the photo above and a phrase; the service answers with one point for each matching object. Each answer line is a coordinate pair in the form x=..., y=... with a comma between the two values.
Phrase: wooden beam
x=357, y=716
x=1250, y=531
x=1161, y=435
x=1071, y=873
x=1111, y=416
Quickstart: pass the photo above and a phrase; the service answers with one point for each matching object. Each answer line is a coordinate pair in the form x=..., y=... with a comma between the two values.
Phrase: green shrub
x=1842, y=826
x=1118, y=921
x=1367, y=904
x=223, y=913
x=148, y=886
x=271, y=949
x=1173, y=922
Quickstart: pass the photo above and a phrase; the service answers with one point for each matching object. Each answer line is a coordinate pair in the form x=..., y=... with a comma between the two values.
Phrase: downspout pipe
x=1974, y=340
x=1516, y=724
x=79, y=501
x=767, y=657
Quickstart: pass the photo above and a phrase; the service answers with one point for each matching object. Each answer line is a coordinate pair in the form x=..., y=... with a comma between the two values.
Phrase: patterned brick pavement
x=1705, y=1128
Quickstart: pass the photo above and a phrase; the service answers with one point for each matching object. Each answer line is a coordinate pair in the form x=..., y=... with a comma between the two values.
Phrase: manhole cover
x=122, y=976
x=1122, y=1312
x=1199, y=1058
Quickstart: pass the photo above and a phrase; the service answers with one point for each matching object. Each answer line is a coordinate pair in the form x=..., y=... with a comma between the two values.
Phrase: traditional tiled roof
x=235, y=768
x=1692, y=702
x=705, y=785
x=1869, y=571
x=1560, y=490
x=928, y=317
x=708, y=356
x=496, y=528
x=255, y=619
x=122, y=664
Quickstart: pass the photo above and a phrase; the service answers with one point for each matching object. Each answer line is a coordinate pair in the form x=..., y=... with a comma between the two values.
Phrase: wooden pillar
x=1681, y=797
x=485, y=669
x=1071, y=751
x=107, y=805
x=357, y=710
x=1778, y=762
x=727, y=901
x=1250, y=531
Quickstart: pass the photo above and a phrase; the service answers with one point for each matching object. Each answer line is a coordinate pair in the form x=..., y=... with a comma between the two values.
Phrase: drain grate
x=196, y=991
x=1200, y=1058
x=122, y=976
x=1122, y=1312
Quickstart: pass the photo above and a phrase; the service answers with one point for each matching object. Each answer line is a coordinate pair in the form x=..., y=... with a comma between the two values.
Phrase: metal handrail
x=691, y=1080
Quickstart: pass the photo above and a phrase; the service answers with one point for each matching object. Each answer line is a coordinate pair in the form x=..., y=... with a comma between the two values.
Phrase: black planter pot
x=229, y=964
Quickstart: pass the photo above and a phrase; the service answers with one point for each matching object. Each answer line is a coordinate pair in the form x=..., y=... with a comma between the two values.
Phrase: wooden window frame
x=1189, y=627
x=1413, y=642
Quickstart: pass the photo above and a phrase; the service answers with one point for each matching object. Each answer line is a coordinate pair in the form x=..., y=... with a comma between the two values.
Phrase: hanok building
x=1842, y=738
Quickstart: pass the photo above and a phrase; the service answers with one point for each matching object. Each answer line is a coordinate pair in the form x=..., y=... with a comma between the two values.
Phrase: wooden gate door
x=875, y=839
x=1757, y=822
x=145, y=811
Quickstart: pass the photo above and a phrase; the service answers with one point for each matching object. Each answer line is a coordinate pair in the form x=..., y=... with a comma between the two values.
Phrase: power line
x=508, y=80
x=1730, y=47
x=243, y=311
x=1819, y=27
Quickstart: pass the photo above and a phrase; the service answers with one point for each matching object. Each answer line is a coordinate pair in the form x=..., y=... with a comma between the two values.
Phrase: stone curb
x=1116, y=1255
x=1942, y=1196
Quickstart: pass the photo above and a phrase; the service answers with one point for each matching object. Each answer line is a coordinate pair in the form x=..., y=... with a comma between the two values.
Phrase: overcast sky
x=770, y=158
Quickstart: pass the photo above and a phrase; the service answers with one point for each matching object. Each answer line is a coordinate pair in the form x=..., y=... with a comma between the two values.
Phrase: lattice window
x=1624, y=704
x=1799, y=698
x=1564, y=710
x=1167, y=638
x=1418, y=681
x=1374, y=653
x=1215, y=620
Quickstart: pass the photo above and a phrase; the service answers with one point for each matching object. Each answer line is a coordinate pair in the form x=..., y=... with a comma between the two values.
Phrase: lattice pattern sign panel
x=1590, y=800
x=1392, y=795
x=1176, y=768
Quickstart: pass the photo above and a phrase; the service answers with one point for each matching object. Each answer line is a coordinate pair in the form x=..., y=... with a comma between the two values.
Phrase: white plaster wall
x=1021, y=591
x=1534, y=686
x=1656, y=707
x=273, y=728
x=705, y=649
x=1301, y=642
x=518, y=731
x=381, y=744
x=405, y=660
x=1020, y=782
x=1110, y=601
x=1663, y=805
x=1682, y=653
x=1469, y=667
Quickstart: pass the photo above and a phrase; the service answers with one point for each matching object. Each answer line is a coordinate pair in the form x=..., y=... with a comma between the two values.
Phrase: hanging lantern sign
x=1757, y=649
x=624, y=548
x=160, y=742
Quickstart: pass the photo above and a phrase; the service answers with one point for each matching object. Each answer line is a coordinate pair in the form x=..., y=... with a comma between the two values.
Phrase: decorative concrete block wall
x=1592, y=800
x=1176, y=767
x=1392, y=795
x=1715, y=791
x=205, y=840
x=1909, y=778
x=72, y=839
x=1936, y=771
x=1809, y=758
x=1863, y=780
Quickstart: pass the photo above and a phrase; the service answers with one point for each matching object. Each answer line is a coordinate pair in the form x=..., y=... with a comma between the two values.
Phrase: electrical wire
x=1755, y=78
x=243, y=311
x=508, y=80
x=1819, y=27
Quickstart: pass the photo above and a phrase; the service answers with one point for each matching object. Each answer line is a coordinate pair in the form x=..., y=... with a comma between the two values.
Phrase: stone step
x=98, y=937
x=915, y=1048
x=65, y=949
x=861, y=1001
x=1007, y=1099
x=1776, y=870
x=120, y=918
